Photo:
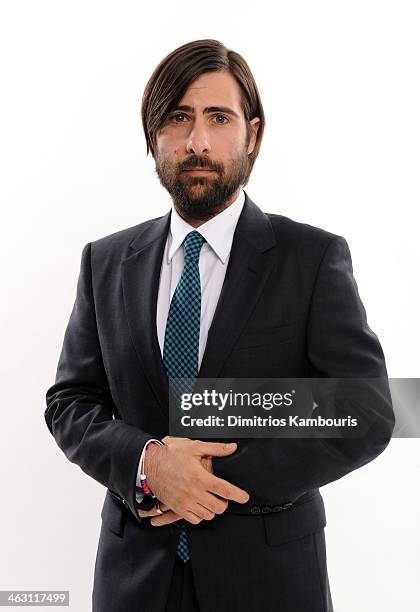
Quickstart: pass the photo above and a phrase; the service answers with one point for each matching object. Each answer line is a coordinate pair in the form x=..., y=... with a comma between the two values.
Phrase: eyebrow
x=208, y=109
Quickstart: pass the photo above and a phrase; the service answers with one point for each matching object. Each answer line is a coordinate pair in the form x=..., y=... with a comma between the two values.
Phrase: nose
x=197, y=140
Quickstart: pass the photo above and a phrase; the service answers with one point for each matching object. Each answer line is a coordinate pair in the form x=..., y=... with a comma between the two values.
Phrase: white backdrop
x=339, y=83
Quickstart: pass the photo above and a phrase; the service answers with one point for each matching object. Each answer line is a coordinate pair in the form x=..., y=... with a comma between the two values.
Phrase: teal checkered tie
x=182, y=335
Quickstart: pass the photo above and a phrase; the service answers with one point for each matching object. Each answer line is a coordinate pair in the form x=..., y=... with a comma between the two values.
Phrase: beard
x=201, y=197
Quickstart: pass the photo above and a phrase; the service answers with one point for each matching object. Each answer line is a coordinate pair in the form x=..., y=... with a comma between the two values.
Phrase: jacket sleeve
x=80, y=412
x=340, y=344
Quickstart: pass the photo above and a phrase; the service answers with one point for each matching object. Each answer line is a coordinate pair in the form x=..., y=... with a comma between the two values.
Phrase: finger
x=171, y=517
x=165, y=519
x=215, y=449
x=144, y=514
x=213, y=503
x=207, y=464
x=193, y=518
x=152, y=512
x=203, y=512
x=225, y=489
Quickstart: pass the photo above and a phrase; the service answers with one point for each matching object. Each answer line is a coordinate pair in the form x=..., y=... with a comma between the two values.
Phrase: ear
x=255, y=124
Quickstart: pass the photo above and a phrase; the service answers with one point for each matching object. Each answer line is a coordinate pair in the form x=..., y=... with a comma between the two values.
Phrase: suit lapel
x=247, y=272
x=140, y=279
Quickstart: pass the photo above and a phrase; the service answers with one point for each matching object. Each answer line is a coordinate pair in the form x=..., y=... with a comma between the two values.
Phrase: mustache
x=194, y=162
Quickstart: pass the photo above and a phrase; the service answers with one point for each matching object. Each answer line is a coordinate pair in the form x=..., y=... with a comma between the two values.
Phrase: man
x=214, y=288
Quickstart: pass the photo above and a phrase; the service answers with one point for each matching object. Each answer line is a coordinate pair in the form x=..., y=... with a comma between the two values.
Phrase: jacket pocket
x=300, y=520
x=266, y=336
x=113, y=515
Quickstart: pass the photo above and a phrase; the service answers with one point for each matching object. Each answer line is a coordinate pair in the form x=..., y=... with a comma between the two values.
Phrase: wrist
x=145, y=499
x=150, y=460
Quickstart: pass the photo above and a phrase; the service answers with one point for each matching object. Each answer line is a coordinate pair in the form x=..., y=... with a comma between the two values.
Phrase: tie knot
x=192, y=245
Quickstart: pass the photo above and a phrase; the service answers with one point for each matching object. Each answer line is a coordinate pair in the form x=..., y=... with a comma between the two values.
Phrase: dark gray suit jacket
x=289, y=307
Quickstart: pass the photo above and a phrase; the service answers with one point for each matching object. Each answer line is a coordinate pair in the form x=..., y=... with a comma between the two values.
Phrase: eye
x=176, y=115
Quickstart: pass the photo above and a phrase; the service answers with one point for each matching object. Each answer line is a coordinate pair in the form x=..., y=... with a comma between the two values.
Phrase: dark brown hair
x=174, y=74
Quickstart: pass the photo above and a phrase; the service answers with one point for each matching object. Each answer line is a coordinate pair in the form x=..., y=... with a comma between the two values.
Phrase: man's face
x=206, y=129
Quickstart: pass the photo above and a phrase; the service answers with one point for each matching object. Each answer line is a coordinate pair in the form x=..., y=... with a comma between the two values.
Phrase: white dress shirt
x=214, y=257
x=213, y=261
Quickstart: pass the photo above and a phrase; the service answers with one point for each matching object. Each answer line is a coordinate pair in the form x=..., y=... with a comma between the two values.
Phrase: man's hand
x=180, y=474
x=170, y=517
x=157, y=518
x=154, y=511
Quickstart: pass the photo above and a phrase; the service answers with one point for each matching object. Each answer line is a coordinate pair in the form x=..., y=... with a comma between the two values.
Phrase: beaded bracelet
x=144, y=486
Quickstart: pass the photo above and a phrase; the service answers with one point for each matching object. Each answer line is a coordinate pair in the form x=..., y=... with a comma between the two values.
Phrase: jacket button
x=266, y=509
x=287, y=505
x=277, y=508
x=255, y=510
x=175, y=529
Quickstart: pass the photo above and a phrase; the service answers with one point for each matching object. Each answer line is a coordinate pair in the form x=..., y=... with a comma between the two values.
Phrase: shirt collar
x=218, y=231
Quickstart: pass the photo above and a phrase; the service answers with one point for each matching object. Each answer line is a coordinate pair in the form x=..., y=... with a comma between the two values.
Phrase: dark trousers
x=182, y=596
